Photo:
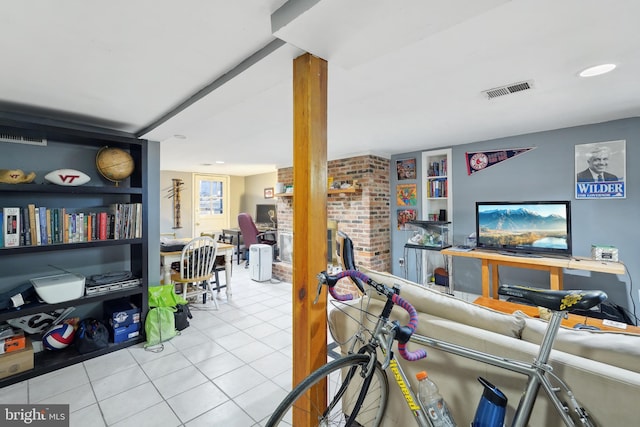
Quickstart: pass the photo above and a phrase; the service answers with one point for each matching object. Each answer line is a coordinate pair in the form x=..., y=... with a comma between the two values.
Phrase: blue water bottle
x=492, y=407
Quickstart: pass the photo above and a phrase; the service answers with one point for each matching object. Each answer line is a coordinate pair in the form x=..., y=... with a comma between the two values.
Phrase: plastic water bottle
x=433, y=403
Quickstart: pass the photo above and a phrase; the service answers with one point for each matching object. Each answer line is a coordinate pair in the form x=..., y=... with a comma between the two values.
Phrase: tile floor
x=230, y=368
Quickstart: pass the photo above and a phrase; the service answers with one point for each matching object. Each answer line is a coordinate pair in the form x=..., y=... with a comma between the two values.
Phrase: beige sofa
x=602, y=369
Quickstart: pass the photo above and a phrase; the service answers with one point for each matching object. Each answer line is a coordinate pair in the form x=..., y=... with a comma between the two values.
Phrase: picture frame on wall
x=268, y=193
x=600, y=170
x=406, y=169
x=406, y=215
x=407, y=194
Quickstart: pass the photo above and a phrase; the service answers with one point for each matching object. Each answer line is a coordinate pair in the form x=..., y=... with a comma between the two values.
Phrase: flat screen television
x=524, y=228
x=266, y=215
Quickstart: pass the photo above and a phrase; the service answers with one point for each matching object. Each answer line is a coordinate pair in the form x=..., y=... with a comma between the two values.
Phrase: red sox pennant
x=480, y=160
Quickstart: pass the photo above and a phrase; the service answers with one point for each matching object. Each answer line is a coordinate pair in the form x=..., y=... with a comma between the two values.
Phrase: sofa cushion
x=449, y=307
x=613, y=348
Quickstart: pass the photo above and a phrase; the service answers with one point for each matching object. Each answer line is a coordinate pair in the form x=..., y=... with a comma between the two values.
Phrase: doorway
x=211, y=203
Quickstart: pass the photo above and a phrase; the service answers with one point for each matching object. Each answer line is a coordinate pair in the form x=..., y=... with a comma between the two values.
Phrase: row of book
x=38, y=225
x=437, y=187
x=438, y=168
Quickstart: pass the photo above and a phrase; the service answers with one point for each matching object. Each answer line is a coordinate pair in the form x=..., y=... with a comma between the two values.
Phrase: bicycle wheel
x=351, y=399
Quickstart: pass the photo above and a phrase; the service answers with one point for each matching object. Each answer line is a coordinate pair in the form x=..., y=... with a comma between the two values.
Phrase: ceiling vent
x=508, y=89
x=20, y=139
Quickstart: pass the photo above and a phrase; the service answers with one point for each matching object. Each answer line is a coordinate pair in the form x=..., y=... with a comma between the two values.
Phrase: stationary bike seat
x=555, y=300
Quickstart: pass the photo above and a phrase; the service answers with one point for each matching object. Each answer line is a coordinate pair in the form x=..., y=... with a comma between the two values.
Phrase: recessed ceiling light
x=597, y=70
x=220, y=162
x=178, y=136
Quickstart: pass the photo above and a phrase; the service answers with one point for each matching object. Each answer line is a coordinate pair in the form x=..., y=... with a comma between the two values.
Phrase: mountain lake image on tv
x=524, y=227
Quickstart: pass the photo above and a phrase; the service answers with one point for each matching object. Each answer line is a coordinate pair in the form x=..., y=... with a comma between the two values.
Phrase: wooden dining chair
x=197, y=263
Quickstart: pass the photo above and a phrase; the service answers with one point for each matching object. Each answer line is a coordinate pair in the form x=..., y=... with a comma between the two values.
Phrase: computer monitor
x=266, y=215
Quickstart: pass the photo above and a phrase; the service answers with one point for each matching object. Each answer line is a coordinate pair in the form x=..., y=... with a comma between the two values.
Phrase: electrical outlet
x=401, y=262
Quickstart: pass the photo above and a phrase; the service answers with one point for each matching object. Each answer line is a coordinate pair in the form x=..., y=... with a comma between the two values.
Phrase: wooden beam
x=309, y=223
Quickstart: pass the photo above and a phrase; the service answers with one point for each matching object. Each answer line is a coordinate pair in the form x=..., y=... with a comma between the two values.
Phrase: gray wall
x=547, y=173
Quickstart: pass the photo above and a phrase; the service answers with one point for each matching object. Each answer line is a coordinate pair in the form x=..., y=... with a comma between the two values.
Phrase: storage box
x=17, y=361
x=14, y=343
x=125, y=332
x=121, y=312
x=59, y=288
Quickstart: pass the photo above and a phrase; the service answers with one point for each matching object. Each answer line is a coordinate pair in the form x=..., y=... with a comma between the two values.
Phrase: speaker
x=443, y=215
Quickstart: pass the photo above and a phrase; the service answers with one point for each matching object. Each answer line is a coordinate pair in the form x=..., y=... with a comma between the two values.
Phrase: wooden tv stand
x=492, y=260
x=570, y=321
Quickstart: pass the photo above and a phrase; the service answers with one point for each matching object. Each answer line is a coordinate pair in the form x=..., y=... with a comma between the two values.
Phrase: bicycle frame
x=536, y=372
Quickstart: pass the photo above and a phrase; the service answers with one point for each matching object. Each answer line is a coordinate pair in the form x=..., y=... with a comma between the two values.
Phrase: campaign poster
x=600, y=170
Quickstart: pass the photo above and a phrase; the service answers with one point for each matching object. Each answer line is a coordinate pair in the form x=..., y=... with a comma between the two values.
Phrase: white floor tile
x=219, y=365
x=196, y=401
x=159, y=415
x=252, y=351
x=77, y=398
x=89, y=416
x=239, y=380
x=15, y=393
x=165, y=365
x=260, y=401
x=129, y=403
x=56, y=382
x=109, y=364
x=228, y=414
x=119, y=382
x=179, y=381
x=203, y=351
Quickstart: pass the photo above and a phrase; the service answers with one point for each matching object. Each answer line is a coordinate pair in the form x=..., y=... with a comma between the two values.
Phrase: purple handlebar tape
x=413, y=314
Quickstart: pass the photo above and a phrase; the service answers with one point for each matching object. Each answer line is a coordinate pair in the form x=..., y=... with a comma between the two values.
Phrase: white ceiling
x=403, y=75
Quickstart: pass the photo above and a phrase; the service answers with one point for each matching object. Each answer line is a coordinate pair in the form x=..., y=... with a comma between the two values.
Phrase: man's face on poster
x=599, y=161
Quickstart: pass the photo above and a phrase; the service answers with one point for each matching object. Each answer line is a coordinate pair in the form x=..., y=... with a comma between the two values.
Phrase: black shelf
x=81, y=189
x=37, y=307
x=77, y=145
x=47, y=361
x=68, y=246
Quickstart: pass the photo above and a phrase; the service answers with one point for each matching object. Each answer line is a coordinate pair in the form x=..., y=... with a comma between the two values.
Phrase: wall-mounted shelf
x=329, y=192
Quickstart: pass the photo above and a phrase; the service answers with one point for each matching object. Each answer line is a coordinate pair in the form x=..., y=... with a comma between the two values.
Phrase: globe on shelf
x=114, y=164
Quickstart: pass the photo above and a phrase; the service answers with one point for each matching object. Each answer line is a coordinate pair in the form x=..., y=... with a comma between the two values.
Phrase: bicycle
x=357, y=386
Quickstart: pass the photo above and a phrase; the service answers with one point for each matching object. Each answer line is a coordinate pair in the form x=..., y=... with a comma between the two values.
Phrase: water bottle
x=492, y=406
x=433, y=403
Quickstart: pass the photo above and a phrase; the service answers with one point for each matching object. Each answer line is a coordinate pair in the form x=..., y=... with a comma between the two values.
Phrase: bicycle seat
x=555, y=300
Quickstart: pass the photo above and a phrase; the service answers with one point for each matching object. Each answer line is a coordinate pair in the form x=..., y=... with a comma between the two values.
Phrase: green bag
x=160, y=324
x=164, y=296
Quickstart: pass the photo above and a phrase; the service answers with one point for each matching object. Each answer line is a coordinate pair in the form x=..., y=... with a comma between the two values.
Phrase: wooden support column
x=309, y=221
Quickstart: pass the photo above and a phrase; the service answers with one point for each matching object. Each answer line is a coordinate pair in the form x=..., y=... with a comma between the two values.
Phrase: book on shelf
x=11, y=227
x=32, y=222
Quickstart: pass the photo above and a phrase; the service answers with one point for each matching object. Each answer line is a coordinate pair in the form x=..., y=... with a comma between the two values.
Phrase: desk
x=570, y=321
x=225, y=249
x=237, y=233
x=554, y=266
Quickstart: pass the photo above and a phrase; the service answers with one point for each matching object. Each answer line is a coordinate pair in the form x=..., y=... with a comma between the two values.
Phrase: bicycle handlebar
x=391, y=294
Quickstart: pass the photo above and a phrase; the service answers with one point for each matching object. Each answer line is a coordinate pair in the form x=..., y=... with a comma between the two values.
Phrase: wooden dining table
x=166, y=258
